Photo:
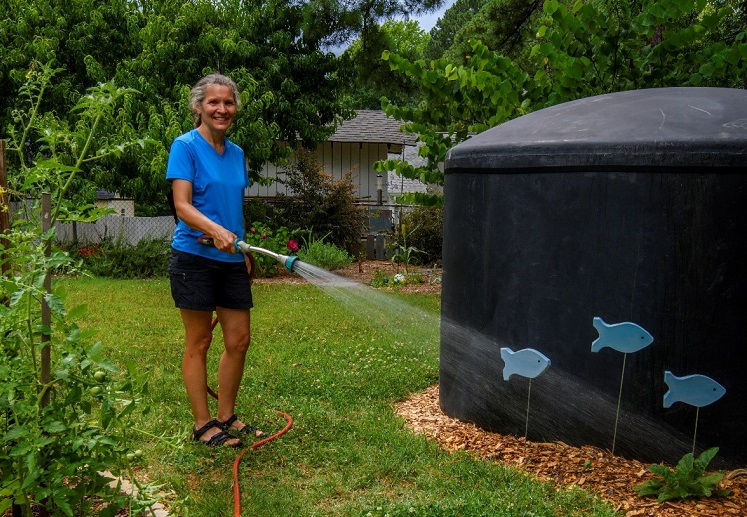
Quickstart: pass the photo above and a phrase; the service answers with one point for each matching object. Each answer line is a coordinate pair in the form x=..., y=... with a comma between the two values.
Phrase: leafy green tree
x=85, y=38
x=458, y=101
x=370, y=78
x=506, y=26
x=588, y=49
x=447, y=27
x=290, y=87
x=335, y=22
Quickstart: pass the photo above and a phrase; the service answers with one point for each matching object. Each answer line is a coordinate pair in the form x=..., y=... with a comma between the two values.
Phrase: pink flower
x=292, y=245
x=253, y=230
x=264, y=235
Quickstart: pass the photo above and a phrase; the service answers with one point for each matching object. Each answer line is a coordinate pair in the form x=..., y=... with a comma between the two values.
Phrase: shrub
x=323, y=254
x=322, y=203
x=277, y=241
x=58, y=435
x=422, y=229
x=149, y=258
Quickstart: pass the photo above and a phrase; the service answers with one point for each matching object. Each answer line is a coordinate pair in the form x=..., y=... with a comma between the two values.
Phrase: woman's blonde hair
x=197, y=94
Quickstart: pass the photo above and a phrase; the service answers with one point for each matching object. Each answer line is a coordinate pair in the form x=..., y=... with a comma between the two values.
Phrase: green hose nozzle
x=287, y=261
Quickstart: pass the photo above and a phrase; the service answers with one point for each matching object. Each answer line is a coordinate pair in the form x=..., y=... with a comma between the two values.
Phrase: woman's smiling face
x=218, y=108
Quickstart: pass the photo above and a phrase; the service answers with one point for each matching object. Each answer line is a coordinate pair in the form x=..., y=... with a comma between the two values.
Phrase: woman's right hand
x=224, y=240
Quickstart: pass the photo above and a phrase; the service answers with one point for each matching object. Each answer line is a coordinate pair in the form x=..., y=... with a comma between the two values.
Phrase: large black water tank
x=630, y=207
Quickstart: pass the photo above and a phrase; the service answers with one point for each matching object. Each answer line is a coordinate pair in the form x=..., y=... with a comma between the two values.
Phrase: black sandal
x=247, y=429
x=217, y=439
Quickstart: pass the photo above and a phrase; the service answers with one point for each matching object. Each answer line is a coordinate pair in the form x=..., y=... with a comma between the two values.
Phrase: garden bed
x=593, y=469
x=365, y=271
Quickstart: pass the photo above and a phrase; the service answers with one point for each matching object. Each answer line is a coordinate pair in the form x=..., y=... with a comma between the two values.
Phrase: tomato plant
x=64, y=416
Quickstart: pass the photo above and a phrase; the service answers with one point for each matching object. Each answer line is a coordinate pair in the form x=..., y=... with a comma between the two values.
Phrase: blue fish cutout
x=696, y=390
x=624, y=337
x=527, y=363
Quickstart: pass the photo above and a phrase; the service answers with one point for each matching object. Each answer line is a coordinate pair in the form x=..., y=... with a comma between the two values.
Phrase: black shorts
x=202, y=284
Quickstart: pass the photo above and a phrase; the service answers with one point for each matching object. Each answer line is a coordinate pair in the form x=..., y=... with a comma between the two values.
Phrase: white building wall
x=336, y=158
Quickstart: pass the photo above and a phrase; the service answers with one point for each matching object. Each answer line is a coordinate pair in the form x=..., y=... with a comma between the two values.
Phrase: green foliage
x=369, y=78
x=111, y=258
x=458, y=101
x=289, y=85
x=584, y=49
x=336, y=22
x=423, y=228
x=66, y=409
x=595, y=48
x=395, y=281
x=405, y=254
x=322, y=254
x=449, y=25
x=322, y=204
x=505, y=26
x=277, y=241
x=45, y=154
x=688, y=479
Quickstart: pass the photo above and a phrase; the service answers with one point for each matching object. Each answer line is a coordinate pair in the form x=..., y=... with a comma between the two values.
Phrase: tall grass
x=339, y=374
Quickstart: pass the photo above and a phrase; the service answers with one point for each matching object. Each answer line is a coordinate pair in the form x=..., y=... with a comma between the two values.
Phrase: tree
x=447, y=27
x=589, y=49
x=370, y=78
x=505, y=26
x=86, y=38
x=334, y=22
x=290, y=87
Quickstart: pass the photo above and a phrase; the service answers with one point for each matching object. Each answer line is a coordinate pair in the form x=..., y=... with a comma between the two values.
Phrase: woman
x=208, y=177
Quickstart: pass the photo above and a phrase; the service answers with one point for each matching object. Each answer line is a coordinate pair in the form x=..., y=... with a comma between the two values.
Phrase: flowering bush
x=277, y=241
x=92, y=250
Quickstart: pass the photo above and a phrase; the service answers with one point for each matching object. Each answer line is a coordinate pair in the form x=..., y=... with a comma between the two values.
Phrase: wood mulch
x=590, y=468
x=596, y=470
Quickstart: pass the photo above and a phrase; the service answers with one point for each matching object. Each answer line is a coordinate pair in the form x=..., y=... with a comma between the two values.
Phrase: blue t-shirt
x=218, y=183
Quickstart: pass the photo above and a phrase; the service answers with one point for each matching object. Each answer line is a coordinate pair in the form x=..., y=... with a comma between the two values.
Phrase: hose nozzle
x=287, y=261
x=243, y=247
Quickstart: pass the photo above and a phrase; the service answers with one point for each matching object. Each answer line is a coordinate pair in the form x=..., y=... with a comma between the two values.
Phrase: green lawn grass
x=338, y=372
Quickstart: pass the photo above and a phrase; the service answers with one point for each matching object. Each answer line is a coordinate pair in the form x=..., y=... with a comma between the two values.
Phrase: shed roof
x=372, y=126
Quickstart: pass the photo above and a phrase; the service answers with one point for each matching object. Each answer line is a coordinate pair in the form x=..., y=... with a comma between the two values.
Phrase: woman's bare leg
x=198, y=336
x=236, y=337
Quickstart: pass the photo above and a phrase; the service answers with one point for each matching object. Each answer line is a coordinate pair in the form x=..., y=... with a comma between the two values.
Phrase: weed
x=688, y=479
x=323, y=254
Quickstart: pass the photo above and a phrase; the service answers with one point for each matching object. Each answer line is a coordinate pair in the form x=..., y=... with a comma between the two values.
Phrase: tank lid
x=679, y=128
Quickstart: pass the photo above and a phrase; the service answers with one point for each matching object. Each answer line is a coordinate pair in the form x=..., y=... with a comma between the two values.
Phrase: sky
x=428, y=21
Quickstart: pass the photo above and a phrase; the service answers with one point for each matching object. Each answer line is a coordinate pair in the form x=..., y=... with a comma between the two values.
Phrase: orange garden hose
x=255, y=445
